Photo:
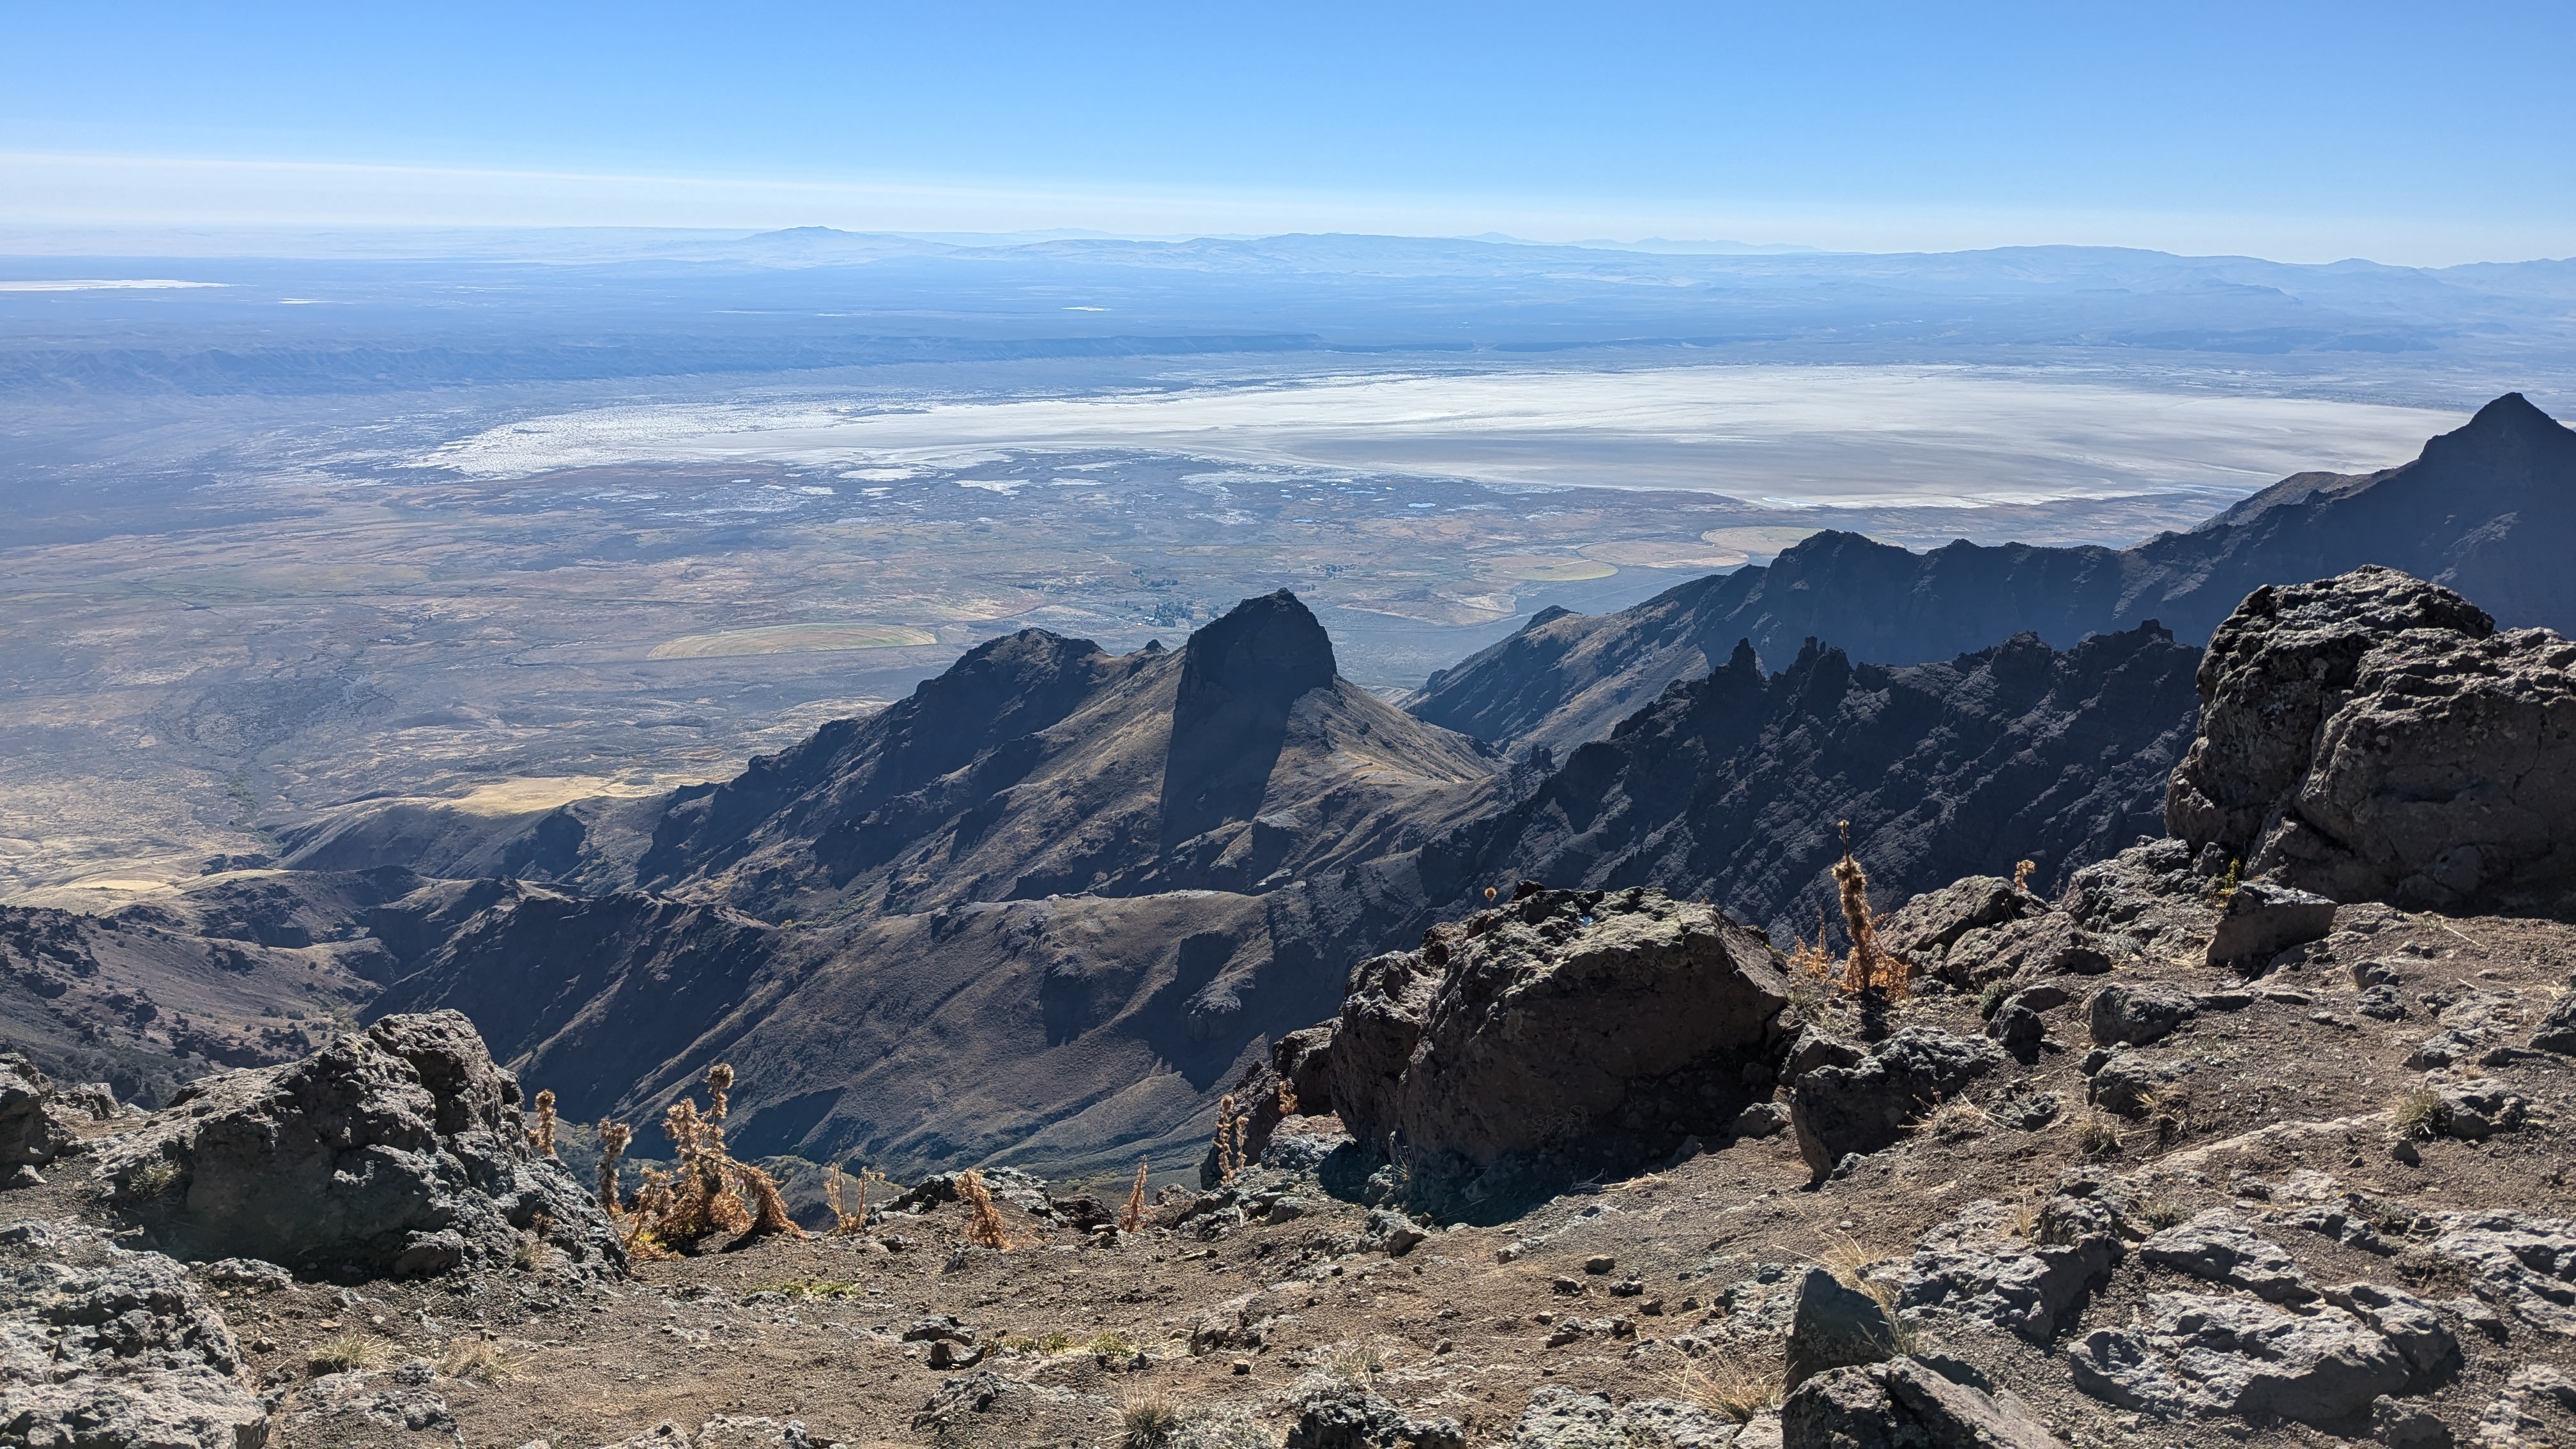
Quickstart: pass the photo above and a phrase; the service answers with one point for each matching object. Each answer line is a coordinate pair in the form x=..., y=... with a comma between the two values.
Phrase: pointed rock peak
x=1271, y=645
x=2512, y=410
x=1744, y=660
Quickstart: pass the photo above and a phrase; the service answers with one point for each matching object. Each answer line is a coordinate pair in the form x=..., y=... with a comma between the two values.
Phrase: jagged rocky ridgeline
x=2485, y=510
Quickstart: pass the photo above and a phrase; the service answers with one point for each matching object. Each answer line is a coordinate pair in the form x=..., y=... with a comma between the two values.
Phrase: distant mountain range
x=2488, y=510
x=1044, y=908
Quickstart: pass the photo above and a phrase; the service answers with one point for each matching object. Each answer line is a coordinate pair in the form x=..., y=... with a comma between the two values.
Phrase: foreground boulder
x=1568, y=1029
x=1905, y=1404
x=1861, y=1104
x=2371, y=736
x=2198, y=1356
x=104, y=1348
x=396, y=1150
x=39, y=1119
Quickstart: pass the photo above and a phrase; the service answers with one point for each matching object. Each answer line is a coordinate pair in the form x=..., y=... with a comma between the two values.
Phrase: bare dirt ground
x=1667, y=1284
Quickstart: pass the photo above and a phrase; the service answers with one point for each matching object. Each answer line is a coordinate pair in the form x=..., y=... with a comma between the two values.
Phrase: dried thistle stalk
x=542, y=1136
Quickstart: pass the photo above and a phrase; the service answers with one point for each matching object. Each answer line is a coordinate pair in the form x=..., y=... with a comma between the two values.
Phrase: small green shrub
x=2419, y=1113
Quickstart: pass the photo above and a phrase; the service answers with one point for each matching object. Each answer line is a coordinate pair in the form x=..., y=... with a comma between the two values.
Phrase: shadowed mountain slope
x=2487, y=510
x=1729, y=787
x=1039, y=907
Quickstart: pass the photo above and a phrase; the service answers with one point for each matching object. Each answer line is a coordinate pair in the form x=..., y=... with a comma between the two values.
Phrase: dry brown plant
x=542, y=1136
x=1229, y=1140
x=848, y=1224
x=1870, y=964
x=1287, y=1099
x=2021, y=874
x=1133, y=1219
x=983, y=1219
x=1730, y=1382
x=768, y=1209
x=613, y=1137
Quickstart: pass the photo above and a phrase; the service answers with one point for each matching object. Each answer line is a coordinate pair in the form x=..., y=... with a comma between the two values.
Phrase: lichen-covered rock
x=2198, y=1356
x=1973, y=1269
x=1838, y=1110
x=1905, y=1404
x=1351, y=1417
x=105, y=1348
x=2137, y=1015
x=2371, y=736
x=2523, y=1261
x=1586, y=1027
x=396, y=1149
x=2221, y=1247
x=1563, y=1419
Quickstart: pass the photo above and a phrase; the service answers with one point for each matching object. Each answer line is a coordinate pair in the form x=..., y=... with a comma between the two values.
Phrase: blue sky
x=2418, y=133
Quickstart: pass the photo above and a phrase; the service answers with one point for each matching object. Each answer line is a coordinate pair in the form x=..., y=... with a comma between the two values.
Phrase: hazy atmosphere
x=1426, y=727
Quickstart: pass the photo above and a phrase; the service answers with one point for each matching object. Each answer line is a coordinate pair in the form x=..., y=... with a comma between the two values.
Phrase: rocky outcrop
x=2522, y=1261
x=1563, y=1419
x=1352, y=1417
x=2371, y=736
x=1728, y=787
x=1906, y=1404
x=1563, y=1029
x=2485, y=510
x=1975, y=1272
x=1836, y=1327
x=105, y=1348
x=37, y=1120
x=1863, y=1104
x=2198, y=1356
x=396, y=1150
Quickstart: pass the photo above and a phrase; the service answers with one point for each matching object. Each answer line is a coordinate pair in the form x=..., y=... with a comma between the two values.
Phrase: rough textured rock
x=394, y=1150
x=2137, y=1016
x=35, y=1126
x=1565, y=1025
x=2557, y=1030
x=2524, y=1262
x=2219, y=1246
x=2201, y=1356
x=2132, y=1083
x=2431, y=1350
x=1905, y=1404
x=1295, y=1080
x=1562, y=1419
x=1351, y=1417
x=1836, y=1327
x=103, y=1348
x=2032, y=948
x=1925, y=929
x=1838, y=1110
x=1975, y=1271
x=2261, y=920
x=2371, y=736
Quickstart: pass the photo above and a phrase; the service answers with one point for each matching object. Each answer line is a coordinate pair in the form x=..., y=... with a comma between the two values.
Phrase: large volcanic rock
x=2372, y=736
x=398, y=1149
x=1566, y=1029
x=104, y=1348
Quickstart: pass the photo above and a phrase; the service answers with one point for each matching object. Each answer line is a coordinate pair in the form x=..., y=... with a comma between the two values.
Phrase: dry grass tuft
x=2418, y=1113
x=1132, y=1220
x=1153, y=1424
x=479, y=1359
x=1850, y=1263
x=2161, y=1213
x=1361, y=1361
x=542, y=1136
x=1727, y=1382
x=983, y=1219
x=2097, y=1134
x=768, y=1209
x=345, y=1352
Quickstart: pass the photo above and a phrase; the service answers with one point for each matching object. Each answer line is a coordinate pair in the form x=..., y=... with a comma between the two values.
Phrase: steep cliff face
x=2485, y=510
x=1730, y=787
